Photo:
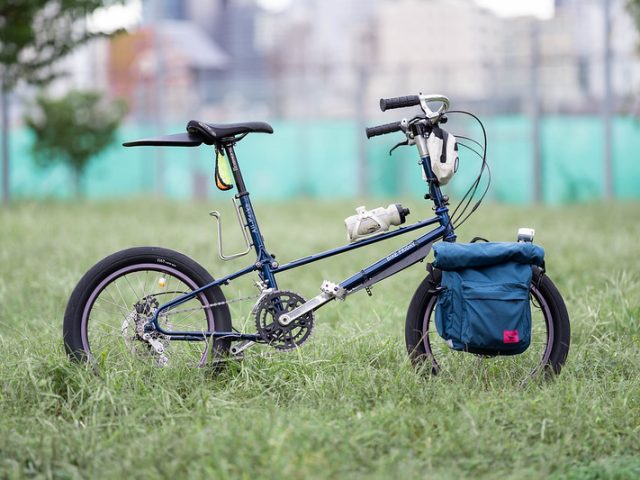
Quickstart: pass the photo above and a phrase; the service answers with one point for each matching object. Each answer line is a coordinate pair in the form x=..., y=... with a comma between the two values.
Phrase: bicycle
x=157, y=303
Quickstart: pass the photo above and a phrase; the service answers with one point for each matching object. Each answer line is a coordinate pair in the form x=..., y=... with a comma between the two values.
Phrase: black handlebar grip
x=383, y=129
x=399, y=102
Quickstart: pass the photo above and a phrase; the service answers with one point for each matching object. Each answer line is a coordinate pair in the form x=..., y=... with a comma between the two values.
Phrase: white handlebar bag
x=443, y=151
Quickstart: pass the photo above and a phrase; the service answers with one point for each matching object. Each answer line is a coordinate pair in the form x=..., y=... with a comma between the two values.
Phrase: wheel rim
x=524, y=365
x=112, y=304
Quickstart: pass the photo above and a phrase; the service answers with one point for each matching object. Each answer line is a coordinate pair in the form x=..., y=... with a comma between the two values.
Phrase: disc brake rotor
x=283, y=337
x=141, y=342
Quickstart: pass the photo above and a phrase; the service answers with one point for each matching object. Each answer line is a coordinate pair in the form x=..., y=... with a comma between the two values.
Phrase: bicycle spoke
x=102, y=322
x=113, y=300
x=109, y=314
x=131, y=287
x=115, y=304
x=144, y=285
x=120, y=293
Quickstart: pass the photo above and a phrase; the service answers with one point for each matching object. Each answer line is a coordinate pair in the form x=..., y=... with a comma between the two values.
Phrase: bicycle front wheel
x=547, y=352
x=106, y=313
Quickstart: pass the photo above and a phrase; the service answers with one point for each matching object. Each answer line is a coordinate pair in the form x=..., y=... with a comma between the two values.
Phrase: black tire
x=101, y=313
x=549, y=343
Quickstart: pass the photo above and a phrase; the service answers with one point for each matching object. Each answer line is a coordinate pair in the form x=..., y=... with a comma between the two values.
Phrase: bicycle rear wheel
x=107, y=311
x=550, y=336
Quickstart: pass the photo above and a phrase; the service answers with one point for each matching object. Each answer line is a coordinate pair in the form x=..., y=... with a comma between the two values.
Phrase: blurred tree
x=73, y=129
x=633, y=6
x=34, y=34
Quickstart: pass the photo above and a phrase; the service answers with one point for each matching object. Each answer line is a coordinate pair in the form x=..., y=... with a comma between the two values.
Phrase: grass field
x=346, y=405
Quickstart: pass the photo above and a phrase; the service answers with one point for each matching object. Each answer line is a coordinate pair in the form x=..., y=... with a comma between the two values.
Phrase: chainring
x=268, y=311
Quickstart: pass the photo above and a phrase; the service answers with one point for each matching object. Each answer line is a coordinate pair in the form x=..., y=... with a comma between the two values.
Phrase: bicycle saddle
x=201, y=132
x=212, y=132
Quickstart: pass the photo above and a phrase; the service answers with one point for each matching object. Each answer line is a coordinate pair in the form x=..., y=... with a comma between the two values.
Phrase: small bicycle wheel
x=106, y=313
x=547, y=352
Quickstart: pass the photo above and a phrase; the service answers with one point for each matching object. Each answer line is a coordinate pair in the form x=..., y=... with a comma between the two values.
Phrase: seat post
x=235, y=168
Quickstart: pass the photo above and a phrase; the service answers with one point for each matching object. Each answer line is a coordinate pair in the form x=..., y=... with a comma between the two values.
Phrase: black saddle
x=201, y=132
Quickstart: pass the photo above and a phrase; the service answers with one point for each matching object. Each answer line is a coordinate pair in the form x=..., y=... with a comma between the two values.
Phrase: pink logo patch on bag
x=511, y=336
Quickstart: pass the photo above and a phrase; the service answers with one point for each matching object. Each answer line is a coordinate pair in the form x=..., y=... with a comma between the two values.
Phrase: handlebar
x=409, y=101
x=422, y=100
x=384, y=129
x=399, y=102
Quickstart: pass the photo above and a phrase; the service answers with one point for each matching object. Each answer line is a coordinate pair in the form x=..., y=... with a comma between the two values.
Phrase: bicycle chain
x=216, y=304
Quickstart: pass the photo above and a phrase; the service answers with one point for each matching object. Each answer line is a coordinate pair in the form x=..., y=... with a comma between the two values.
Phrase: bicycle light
x=368, y=222
x=526, y=234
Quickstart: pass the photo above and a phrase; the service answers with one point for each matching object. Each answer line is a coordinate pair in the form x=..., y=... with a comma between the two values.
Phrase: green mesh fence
x=320, y=159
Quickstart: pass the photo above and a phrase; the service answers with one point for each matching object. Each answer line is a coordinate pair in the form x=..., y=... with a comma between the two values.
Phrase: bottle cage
x=243, y=227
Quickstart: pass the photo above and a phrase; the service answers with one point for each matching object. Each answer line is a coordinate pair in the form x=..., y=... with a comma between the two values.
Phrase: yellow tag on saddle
x=223, y=177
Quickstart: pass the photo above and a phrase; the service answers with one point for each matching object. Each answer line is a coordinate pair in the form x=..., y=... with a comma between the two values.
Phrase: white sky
x=116, y=16
x=510, y=8
x=129, y=15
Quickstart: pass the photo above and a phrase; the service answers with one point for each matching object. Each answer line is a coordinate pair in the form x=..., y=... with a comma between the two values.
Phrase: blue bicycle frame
x=267, y=267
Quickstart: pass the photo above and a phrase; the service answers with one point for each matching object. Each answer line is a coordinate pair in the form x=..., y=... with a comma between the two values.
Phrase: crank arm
x=241, y=347
x=329, y=291
x=309, y=306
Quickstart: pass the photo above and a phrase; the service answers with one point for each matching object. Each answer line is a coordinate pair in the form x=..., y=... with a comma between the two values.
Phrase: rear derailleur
x=138, y=318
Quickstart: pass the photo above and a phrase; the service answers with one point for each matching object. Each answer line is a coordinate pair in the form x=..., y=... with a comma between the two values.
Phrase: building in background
x=570, y=67
x=442, y=46
x=230, y=26
x=315, y=58
x=172, y=62
x=227, y=59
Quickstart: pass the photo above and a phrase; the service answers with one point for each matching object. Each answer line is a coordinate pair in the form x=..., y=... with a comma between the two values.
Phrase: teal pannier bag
x=483, y=305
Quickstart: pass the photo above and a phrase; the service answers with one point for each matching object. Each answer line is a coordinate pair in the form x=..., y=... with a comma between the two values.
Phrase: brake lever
x=401, y=144
x=407, y=142
x=405, y=129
